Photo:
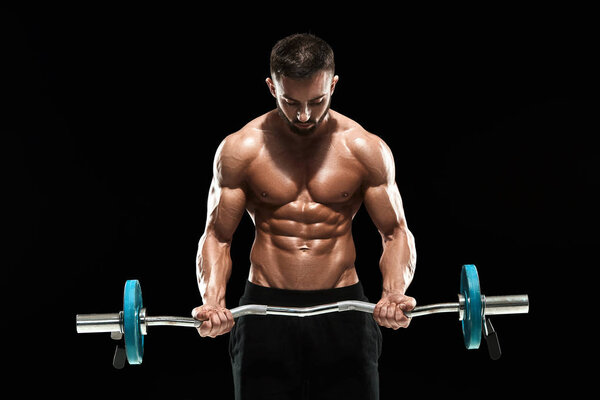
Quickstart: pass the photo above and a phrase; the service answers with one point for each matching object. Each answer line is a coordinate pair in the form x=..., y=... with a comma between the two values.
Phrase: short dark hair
x=301, y=55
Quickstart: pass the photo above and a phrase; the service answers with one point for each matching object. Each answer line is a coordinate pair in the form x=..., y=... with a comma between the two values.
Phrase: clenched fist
x=389, y=311
x=217, y=320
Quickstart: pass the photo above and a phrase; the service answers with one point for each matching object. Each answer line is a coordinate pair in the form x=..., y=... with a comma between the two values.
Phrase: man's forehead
x=304, y=89
x=319, y=79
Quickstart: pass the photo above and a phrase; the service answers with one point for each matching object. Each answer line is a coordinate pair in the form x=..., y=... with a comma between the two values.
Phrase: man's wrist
x=214, y=298
x=397, y=288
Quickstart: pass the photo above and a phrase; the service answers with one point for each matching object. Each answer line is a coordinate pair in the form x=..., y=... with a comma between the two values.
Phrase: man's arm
x=226, y=206
x=398, y=261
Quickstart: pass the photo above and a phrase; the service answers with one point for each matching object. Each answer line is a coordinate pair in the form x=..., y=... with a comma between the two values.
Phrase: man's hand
x=389, y=310
x=217, y=320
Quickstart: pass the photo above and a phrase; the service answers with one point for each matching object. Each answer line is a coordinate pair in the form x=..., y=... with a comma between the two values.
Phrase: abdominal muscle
x=298, y=256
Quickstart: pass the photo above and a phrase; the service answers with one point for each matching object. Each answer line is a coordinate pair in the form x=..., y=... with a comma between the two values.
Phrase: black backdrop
x=112, y=120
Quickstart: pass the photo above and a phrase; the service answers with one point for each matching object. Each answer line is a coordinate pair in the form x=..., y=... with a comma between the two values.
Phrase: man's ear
x=271, y=86
x=334, y=81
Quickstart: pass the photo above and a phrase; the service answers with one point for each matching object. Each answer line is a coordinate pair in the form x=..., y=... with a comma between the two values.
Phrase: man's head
x=302, y=81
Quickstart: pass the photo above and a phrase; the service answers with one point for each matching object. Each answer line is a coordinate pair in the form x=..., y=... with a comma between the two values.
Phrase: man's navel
x=304, y=248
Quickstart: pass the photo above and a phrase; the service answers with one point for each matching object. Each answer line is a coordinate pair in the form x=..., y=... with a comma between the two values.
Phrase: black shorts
x=328, y=356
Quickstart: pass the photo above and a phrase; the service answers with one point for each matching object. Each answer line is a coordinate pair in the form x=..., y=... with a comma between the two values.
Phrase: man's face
x=303, y=104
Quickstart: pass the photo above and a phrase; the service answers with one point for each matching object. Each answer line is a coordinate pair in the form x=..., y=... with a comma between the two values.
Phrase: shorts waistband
x=256, y=294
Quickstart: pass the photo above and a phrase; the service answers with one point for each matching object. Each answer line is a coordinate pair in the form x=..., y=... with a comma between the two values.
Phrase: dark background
x=111, y=120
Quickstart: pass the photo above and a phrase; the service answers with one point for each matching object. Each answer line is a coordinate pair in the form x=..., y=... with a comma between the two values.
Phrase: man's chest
x=334, y=178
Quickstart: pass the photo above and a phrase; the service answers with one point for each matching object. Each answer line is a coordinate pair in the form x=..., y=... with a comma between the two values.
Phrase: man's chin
x=303, y=129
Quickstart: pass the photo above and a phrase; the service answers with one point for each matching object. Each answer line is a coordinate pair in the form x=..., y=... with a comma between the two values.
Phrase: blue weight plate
x=134, y=340
x=471, y=323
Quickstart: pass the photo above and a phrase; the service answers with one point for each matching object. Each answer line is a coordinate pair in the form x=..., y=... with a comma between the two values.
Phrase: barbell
x=473, y=308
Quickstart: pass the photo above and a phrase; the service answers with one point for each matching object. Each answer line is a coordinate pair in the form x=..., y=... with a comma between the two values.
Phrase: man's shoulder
x=369, y=149
x=244, y=144
x=362, y=143
x=237, y=151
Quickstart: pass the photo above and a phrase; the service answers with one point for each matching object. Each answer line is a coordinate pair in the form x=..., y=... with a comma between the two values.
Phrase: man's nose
x=304, y=114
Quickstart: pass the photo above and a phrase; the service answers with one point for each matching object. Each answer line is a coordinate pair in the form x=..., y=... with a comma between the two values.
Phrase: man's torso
x=302, y=201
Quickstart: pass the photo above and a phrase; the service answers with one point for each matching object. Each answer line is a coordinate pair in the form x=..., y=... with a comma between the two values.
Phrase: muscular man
x=301, y=172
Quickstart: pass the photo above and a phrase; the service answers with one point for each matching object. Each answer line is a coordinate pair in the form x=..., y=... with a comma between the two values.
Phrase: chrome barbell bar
x=113, y=322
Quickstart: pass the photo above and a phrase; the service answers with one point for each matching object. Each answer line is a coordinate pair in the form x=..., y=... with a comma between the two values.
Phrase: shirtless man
x=302, y=171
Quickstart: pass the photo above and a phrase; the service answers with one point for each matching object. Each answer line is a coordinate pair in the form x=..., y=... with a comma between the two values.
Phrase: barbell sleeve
x=97, y=323
x=509, y=304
